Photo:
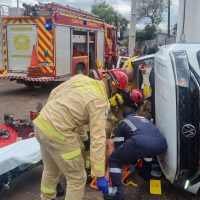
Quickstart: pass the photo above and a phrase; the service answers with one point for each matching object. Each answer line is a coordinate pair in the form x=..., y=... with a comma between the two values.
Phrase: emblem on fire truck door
x=22, y=42
x=189, y=131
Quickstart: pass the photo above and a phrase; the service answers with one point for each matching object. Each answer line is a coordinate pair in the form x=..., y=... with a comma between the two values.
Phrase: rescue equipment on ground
x=127, y=170
x=23, y=127
x=16, y=137
x=4, y=134
x=155, y=187
x=15, y=130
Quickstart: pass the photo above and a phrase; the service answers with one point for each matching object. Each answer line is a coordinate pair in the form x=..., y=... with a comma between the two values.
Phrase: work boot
x=60, y=190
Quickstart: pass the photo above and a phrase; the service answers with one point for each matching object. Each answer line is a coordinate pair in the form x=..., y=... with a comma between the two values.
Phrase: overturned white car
x=175, y=83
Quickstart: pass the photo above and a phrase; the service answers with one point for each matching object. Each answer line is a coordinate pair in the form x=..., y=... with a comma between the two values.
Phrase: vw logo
x=189, y=131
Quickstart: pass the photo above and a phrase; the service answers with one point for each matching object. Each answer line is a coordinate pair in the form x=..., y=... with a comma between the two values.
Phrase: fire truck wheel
x=80, y=69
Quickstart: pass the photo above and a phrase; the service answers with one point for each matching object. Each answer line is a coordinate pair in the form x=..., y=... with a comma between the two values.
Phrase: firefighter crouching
x=135, y=138
x=79, y=101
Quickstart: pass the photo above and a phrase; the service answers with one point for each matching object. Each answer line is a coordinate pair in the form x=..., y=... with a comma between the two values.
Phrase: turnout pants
x=61, y=159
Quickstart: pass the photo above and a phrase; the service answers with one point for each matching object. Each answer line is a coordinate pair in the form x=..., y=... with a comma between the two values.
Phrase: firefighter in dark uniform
x=135, y=138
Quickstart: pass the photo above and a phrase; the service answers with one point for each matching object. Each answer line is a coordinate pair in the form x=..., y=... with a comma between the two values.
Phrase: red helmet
x=119, y=77
x=137, y=96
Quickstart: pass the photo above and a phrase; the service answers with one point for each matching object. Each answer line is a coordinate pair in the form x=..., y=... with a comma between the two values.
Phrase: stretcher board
x=19, y=153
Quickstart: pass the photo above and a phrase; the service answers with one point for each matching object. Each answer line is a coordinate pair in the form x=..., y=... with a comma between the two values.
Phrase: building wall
x=162, y=39
x=189, y=33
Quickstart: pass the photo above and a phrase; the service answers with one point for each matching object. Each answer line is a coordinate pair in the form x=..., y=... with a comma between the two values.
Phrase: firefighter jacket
x=77, y=102
x=142, y=131
x=83, y=132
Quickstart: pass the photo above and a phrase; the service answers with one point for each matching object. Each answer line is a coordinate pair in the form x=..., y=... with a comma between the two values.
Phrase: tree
x=110, y=16
x=152, y=9
x=148, y=33
x=122, y=25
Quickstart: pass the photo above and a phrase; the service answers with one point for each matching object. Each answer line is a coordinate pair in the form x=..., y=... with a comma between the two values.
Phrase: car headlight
x=187, y=184
x=181, y=67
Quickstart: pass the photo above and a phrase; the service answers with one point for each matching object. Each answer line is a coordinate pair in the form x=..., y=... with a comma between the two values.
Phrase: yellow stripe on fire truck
x=20, y=20
x=45, y=44
x=4, y=47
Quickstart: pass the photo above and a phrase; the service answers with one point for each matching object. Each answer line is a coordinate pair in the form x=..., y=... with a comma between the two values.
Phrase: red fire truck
x=51, y=42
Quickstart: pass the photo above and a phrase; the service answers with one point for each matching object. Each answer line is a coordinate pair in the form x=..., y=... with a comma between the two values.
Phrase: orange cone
x=34, y=58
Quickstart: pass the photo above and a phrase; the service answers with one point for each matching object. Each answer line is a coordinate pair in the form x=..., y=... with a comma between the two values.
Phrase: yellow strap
x=48, y=129
x=72, y=154
x=131, y=183
x=47, y=190
x=99, y=167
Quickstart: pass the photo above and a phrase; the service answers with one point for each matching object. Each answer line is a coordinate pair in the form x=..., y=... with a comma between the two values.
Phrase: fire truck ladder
x=69, y=10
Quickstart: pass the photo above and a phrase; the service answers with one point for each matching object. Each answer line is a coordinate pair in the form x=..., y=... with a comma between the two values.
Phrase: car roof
x=145, y=57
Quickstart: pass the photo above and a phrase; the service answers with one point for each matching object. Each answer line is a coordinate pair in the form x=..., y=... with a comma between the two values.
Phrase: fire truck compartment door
x=63, y=52
x=20, y=41
x=100, y=46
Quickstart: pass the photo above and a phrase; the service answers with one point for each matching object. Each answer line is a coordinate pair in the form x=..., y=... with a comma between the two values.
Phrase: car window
x=144, y=68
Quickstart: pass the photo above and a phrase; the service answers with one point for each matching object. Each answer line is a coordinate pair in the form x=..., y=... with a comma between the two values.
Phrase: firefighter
x=79, y=101
x=126, y=98
x=135, y=138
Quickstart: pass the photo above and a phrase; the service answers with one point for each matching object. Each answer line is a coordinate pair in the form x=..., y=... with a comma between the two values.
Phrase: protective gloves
x=102, y=184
